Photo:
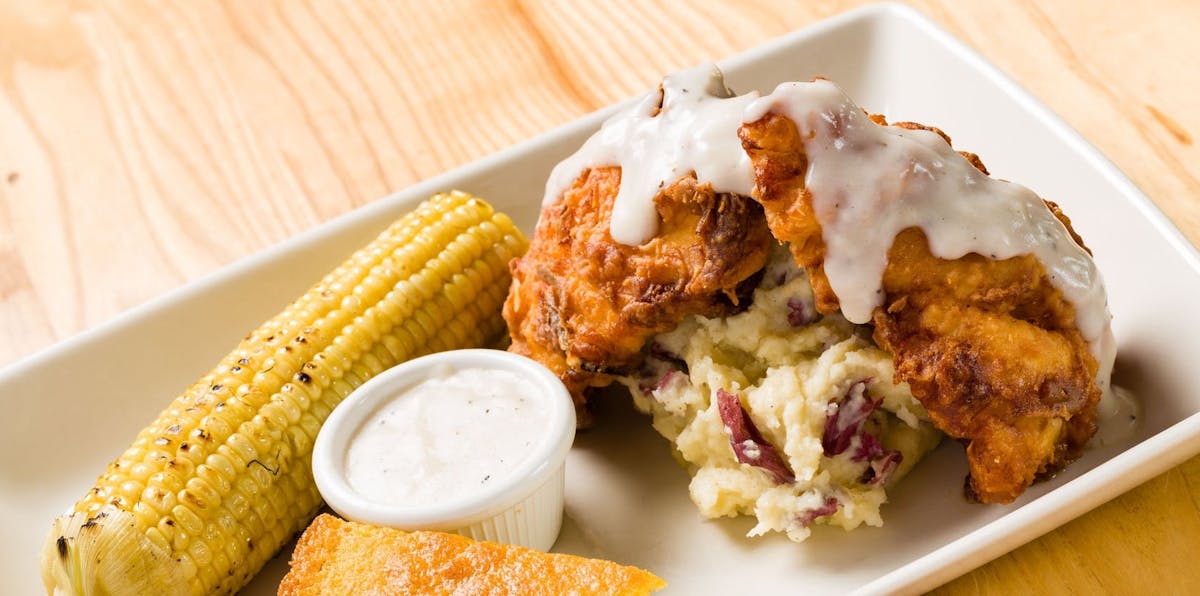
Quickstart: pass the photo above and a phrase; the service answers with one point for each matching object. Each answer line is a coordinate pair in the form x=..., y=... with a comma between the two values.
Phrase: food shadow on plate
x=645, y=498
x=1138, y=370
x=625, y=494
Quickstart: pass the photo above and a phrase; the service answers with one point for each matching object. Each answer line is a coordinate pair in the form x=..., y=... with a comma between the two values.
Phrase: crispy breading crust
x=341, y=557
x=585, y=305
x=989, y=347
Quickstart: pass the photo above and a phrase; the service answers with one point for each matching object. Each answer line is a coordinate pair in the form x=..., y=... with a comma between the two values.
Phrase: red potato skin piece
x=846, y=419
x=741, y=429
x=829, y=507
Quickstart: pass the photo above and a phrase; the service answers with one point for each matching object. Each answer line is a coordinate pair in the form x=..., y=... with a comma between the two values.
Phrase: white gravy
x=446, y=437
x=868, y=183
x=1118, y=417
x=694, y=131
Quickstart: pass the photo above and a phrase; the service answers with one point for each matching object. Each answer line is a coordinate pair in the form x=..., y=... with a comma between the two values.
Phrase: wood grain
x=144, y=144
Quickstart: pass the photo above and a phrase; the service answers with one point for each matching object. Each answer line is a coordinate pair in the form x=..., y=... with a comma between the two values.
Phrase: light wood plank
x=144, y=144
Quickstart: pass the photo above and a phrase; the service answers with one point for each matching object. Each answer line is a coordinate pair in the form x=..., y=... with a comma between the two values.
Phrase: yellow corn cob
x=212, y=489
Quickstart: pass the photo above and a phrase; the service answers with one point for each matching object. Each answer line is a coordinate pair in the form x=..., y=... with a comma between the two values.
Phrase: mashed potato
x=782, y=413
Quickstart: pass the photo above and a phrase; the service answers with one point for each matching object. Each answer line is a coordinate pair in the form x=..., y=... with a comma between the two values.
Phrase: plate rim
x=1122, y=472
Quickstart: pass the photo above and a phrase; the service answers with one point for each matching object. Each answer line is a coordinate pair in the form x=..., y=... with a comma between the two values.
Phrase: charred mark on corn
x=93, y=521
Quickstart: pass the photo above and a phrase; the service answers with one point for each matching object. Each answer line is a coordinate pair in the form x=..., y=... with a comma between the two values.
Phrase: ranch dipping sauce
x=447, y=437
x=473, y=442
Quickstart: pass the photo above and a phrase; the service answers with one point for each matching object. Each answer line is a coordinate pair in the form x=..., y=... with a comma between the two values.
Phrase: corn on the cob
x=214, y=487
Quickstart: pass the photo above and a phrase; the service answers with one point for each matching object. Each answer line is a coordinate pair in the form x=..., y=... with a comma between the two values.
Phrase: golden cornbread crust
x=340, y=557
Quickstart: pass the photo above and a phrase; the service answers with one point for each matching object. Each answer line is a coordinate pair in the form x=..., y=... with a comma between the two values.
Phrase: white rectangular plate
x=67, y=411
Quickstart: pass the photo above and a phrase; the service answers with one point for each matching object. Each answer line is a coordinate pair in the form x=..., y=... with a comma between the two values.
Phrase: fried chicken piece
x=989, y=347
x=584, y=305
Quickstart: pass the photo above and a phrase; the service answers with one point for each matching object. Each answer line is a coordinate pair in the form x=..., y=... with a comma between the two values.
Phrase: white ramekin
x=525, y=508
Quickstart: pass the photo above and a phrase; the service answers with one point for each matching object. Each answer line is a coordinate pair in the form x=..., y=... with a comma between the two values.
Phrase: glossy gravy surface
x=868, y=183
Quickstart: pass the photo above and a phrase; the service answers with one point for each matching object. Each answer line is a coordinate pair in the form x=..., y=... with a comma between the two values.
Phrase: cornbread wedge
x=213, y=488
x=341, y=557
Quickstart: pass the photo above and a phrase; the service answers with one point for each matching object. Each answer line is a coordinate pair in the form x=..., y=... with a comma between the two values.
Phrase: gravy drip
x=868, y=183
x=695, y=130
x=1118, y=417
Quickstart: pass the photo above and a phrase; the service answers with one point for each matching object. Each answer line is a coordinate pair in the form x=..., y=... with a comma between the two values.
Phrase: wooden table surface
x=146, y=143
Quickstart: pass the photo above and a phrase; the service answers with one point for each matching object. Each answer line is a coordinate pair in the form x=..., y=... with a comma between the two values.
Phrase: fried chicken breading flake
x=584, y=305
x=989, y=346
